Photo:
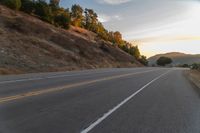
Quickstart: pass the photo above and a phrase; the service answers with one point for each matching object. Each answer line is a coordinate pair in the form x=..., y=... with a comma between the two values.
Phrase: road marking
x=44, y=91
x=40, y=78
x=48, y=77
x=98, y=121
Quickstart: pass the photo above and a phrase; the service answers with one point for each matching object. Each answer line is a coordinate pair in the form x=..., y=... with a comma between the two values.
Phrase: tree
x=54, y=6
x=28, y=6
x=111, y=37
x=77, y=15
x=91, y=20
x=62, y=19
x=125, y=48
x=136, y=52
x=118, y=37
x=196, y=66
x=13, y=4
x=143, y=60
x=102, y=32
x=54, y=3
x=162, y=61
x=185, y=65
x=43, y=10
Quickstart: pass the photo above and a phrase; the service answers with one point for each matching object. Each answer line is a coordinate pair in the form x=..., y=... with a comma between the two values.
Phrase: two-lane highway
x=139, y=100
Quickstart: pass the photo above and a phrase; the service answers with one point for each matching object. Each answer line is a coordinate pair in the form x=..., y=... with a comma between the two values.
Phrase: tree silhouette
x=162, y=61
x=77, y=15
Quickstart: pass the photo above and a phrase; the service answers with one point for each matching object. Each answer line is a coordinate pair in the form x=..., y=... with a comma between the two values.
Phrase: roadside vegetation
x=196, y=66
x=184, y=66
x=78, y=17
x=194, y=75
x=163, y=61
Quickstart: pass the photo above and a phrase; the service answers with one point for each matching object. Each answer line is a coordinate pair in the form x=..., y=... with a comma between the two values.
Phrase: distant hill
x=28, y=44
x=178, y=58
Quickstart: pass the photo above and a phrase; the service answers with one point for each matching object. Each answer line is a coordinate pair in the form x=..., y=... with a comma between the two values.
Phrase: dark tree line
x=196, y=66
x=77, y=16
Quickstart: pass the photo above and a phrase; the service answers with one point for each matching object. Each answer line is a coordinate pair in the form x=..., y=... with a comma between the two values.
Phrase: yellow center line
x=35, y=93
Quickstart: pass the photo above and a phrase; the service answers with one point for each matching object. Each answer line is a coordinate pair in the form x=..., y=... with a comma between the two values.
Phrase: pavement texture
x=126, y=100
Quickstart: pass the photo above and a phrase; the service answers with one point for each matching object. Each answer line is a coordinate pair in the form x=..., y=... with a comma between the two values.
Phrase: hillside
x=28, y=44
x=178, y=58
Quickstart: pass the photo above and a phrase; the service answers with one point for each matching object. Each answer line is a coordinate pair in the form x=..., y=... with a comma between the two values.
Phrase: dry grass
x=28, y=44
x=194, y=76
x=6, y=71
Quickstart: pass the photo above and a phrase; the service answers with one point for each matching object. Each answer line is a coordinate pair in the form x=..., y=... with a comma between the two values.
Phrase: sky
x=156, y=26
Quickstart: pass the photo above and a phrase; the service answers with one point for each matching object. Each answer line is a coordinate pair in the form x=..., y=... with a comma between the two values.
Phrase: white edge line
x=98, y=121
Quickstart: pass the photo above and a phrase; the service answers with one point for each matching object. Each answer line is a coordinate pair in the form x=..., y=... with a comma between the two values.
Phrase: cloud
x=113, y=2
x=165, y=39
x=117, y=17
x=103, y=18
x=117, y=2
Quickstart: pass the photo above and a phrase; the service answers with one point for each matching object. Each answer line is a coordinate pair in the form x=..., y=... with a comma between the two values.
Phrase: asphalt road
x=128, y=100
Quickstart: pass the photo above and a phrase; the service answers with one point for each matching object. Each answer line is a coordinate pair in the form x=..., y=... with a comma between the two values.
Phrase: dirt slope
x=178, y=58
x=28, y=44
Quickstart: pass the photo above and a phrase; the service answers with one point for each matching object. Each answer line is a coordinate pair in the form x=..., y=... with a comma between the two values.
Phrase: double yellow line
x=45, y=91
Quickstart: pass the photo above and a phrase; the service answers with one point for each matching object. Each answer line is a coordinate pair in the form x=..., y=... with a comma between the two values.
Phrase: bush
x=43, y=10
x=13, y=4
x=62, y=20
x=27, y=6
x=143, y=60
x=184, y=65
x=195, y=66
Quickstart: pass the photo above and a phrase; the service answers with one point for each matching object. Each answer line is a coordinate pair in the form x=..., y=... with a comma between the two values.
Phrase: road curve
x=127, y=100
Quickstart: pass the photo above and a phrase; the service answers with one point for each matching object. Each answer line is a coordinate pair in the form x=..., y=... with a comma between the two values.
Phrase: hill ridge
x=177, y=57
x=31, y=45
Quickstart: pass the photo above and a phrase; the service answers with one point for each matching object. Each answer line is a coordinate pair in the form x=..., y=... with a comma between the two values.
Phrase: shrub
x=62, y=20
x=13, y=4
x=143, y=60
x=195, y=66
x=28, y=6
x=43, y=10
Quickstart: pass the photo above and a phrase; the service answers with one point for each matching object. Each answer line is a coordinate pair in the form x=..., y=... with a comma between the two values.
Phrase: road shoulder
x=194, y=77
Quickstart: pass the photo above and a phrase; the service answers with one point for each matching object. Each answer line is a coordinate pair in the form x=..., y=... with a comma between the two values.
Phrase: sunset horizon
x=145, y=20
x=100, y=66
